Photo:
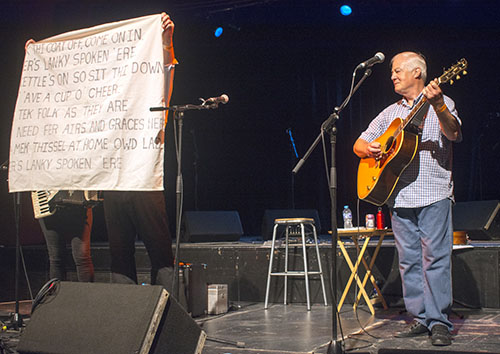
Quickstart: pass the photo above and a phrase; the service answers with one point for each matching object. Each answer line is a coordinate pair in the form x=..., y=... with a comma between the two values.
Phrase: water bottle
x=347, y=215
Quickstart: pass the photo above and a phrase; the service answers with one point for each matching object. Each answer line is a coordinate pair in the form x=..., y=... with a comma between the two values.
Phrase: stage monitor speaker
x=96, y=318
x=209, y=226
x=271, y=214
x=481, y=219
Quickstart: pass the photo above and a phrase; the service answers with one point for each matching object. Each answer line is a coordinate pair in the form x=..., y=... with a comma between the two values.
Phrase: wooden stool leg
x=353, y=276
x=358, y=281
x=271, y=256
x=349, y=282
x=370, y=276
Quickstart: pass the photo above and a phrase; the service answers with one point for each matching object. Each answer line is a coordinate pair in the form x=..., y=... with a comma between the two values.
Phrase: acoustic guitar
x=399, y=143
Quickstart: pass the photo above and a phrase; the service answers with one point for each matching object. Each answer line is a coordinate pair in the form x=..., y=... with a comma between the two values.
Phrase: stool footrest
x=296, y=273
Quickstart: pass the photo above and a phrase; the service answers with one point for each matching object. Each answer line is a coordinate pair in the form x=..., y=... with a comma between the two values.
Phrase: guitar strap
x=417, y=123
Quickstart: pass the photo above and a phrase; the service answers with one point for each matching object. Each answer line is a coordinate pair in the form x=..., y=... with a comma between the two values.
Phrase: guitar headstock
x=454, y=72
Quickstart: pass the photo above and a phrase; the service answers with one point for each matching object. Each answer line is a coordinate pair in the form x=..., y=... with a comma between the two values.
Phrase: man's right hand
x=364, y=149
x=374, y=150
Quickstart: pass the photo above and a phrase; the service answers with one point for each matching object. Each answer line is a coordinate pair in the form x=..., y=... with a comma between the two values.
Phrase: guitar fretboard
x=448, y=75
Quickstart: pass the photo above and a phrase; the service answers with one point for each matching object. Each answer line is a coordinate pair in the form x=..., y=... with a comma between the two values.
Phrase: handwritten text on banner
x=82, y=119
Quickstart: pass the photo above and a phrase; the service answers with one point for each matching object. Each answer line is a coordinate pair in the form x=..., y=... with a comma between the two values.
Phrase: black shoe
x=440, y=335
x=415, y=329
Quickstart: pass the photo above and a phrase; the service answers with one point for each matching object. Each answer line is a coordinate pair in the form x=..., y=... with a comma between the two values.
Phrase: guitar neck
x=448, y=75
x=413, y=113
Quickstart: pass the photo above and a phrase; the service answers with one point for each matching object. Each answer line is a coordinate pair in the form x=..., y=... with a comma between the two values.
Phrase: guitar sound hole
x=388, y=144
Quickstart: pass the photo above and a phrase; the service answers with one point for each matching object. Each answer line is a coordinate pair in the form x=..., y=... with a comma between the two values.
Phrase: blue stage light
x=345, y=10
x=218, y=32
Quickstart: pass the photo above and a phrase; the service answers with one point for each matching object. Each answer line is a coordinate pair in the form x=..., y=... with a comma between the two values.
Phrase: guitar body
x=377, y=179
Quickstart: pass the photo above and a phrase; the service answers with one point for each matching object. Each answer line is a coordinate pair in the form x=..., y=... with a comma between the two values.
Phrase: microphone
x=221, y=99
x=377, y=58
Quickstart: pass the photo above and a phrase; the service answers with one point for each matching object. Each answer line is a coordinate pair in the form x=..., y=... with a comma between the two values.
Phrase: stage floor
x=249, y=329
x=292, y=329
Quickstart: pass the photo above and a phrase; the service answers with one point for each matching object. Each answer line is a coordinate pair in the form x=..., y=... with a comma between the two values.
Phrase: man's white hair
x=413, y=60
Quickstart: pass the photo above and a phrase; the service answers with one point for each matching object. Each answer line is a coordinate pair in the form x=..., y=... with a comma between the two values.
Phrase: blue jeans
x=424, y=240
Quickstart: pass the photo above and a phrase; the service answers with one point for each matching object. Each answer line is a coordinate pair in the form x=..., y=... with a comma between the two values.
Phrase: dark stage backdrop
x=287, y=64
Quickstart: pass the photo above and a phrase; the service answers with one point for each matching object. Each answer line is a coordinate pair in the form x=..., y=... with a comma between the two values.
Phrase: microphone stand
x=16, y=321
x=329, y=126
x=179, y=187
x=195, y=166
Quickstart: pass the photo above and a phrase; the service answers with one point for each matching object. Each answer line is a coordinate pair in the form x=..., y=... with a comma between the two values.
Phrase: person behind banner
x=420, y=204
x=71, y=223
x=129, y=214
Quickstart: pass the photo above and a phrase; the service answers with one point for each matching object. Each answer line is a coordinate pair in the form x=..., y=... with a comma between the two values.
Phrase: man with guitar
x=420, y=199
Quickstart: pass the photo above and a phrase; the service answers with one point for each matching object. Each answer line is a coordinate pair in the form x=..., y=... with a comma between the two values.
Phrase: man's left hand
x=434, y=94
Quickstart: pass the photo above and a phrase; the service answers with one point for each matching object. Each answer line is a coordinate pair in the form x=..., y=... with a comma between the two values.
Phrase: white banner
x=82, y=119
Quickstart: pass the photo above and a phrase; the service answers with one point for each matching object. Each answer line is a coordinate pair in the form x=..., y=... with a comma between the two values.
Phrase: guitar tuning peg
x=451, y=82
x=464, y=72
x=458, y=77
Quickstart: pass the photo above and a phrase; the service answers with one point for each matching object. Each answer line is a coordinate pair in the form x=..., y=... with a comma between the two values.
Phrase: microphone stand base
x=335, y=347
x=15, y=322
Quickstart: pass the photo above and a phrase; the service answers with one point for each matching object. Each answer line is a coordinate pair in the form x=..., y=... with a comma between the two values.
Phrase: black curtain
x=287, y=65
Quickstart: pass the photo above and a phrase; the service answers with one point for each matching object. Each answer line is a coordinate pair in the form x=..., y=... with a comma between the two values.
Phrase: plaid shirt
x=428, y=178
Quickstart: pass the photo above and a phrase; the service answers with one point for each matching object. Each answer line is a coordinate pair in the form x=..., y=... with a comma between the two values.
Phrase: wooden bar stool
x=290, y=225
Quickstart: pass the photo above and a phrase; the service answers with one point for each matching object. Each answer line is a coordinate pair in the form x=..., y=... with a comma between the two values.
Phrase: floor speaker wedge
x=210, y=226
x=77, y=318
x=481, y=219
